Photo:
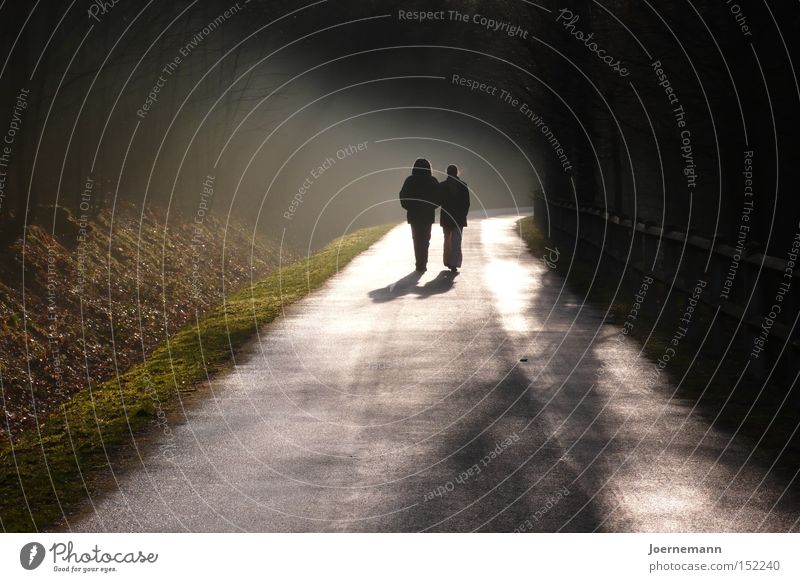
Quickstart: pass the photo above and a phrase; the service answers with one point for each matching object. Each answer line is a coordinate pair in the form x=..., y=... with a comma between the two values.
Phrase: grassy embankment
x=747, y=410
x=45, y=472
x=101, y=300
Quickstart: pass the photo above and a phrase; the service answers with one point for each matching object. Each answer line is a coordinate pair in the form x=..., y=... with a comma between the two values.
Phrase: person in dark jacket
x=420, y=198
x=454, y=200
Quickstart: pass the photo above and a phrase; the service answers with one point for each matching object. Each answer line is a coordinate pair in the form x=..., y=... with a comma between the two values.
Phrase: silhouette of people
x=454, y=200
x=419, y=196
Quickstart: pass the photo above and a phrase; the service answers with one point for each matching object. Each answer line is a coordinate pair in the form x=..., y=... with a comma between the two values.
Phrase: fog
x=235, y=106
x=323, y=152
x=348, y=172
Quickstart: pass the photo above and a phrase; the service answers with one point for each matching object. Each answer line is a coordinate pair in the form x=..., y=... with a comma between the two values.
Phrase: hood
x=422, y=167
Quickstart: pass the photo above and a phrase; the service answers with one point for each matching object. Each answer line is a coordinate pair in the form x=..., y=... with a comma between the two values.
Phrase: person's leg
x=455, y=253
x=424, y=244
x=415, y=234
x=422, y=238
x=448, y=245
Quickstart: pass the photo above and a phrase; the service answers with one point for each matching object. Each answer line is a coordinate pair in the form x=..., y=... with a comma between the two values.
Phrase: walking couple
x=420, y=196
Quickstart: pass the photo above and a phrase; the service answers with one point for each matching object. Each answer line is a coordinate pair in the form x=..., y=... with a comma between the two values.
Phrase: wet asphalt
x=492, y=400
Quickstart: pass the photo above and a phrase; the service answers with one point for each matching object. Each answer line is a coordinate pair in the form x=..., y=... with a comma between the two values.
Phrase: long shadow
x=407, y=285
x=532, y=484
x=443, y=282
x=741, y=426
x=676, y=444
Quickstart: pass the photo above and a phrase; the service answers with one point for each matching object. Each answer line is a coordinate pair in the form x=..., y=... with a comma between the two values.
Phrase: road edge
x=46, y=471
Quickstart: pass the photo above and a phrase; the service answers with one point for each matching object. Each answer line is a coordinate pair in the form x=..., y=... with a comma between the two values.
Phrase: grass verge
x=45, y=473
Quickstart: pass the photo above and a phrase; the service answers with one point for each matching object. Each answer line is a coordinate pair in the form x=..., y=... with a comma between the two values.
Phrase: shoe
x=453, y=269
x=421, y=269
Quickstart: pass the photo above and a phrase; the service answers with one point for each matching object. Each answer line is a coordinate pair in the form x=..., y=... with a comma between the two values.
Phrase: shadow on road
x=408, y=285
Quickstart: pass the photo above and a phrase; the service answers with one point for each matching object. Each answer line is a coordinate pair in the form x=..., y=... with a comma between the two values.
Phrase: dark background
x=88, y=78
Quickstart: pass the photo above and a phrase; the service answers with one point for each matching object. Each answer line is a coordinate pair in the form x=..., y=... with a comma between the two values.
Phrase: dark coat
x=454, y=199
x=420, y=196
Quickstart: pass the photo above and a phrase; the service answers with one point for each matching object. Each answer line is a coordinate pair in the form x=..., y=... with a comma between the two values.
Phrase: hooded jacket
x=419, y=195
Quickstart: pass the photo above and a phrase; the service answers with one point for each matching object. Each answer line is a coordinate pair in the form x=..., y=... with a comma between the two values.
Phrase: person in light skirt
x=454, y=200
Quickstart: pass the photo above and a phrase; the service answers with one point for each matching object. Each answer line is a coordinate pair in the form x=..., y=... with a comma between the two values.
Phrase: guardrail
x=742, y=283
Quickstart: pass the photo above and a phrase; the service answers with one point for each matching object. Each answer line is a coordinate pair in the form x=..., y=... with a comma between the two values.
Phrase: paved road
x=390, y=402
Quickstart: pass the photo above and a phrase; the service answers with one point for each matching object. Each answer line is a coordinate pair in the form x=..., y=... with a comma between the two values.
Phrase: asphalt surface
x=490, y=401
